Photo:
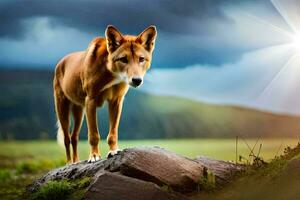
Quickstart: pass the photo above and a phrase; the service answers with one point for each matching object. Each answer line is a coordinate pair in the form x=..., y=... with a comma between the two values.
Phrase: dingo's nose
x=136, y=81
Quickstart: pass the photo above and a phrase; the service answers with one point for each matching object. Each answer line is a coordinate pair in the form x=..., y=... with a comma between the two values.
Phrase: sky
x=220, y=51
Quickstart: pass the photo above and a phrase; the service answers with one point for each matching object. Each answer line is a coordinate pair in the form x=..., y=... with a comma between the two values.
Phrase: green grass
x=12, y=153
x=53, y=190
x=279, y=179
x=21, y=162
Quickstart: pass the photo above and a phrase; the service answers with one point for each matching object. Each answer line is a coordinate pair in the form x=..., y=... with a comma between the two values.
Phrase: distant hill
x=27, y=112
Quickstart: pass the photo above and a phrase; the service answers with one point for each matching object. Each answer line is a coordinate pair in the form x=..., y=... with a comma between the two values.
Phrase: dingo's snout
x=136, y=81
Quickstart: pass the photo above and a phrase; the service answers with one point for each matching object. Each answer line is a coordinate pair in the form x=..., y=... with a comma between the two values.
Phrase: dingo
x=84, y=80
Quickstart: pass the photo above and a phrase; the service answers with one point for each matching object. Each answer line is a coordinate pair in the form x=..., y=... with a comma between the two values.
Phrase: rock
x=142, y=173
x=69, y=172
x=222, y=170
x=114, y=187
x=159, y=166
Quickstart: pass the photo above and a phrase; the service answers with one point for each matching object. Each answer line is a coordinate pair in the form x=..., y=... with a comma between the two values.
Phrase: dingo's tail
x=60, y=135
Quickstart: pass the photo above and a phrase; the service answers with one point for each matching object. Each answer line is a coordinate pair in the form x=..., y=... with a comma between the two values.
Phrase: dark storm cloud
x=174, y=19
x=172, y=16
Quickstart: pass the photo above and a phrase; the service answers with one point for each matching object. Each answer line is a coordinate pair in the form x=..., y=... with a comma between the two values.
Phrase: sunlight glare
x=289, y=72
x=296, y=41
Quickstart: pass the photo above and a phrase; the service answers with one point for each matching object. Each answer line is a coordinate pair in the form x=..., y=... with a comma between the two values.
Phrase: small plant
x=5, y=175
x=208, y=181
x=83, y=183
x=62, y=190
x=278, y=164
x=166, y=188
x=290, y=153
x=53, y=190
x=27, y=167
x=258, y=162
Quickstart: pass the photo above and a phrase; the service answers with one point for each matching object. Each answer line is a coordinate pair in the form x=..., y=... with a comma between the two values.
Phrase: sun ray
x=295, y=44
x=272, y=26
x=286, y=16
x=276, y=76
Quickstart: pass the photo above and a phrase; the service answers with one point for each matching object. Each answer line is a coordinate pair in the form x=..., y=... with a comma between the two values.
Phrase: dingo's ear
x=113, y=38
x=147, y=38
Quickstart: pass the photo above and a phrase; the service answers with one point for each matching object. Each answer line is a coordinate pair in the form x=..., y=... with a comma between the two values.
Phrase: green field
x=13, y=153
x=21, y=162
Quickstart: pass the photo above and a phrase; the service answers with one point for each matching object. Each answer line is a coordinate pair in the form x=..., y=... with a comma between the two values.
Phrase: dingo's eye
x=124, y=60
x=141, y=59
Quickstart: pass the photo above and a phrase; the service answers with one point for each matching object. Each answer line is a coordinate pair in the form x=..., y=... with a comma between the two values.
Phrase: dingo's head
x=129, y=57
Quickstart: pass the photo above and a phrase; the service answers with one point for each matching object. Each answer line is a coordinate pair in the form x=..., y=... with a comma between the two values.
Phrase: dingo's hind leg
x=77, y=112
x=62, y=107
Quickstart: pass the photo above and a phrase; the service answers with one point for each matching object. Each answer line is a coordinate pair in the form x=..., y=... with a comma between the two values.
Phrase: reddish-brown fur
x=84, y=80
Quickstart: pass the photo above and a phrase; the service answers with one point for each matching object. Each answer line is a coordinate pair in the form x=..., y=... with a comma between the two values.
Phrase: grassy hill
x=27, y=112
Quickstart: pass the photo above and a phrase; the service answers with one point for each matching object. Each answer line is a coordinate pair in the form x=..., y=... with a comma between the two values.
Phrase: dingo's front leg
x=115, y=109
x=93, y=133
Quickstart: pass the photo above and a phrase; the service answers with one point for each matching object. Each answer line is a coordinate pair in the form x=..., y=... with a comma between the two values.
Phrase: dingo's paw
x=111, y=153
x=94, y=158
x=69, y=162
